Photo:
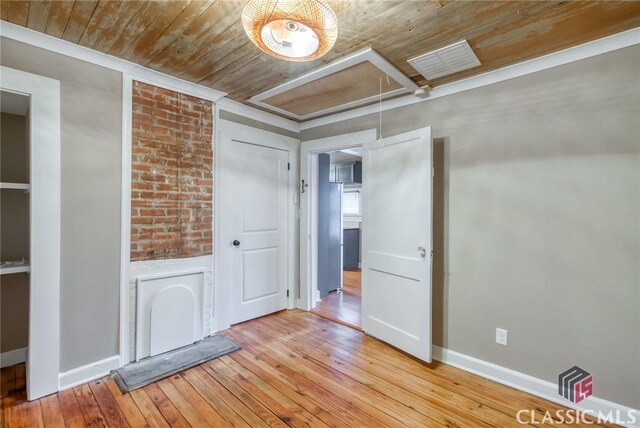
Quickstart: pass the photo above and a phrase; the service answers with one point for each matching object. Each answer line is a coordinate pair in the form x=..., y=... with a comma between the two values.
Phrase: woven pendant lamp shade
x=293, y=30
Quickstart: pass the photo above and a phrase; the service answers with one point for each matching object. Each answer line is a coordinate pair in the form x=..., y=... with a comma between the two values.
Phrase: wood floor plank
x=417, y=386
x=21, y=376
x=204, y=408
x=182, y=403
x=344, y=306
x=14, y=415
x=389, y=414
x=89, y=406
x=166, y=407
x=396, y=402
x=213, y=400
x=126, y=404
x=486, y=392
x=406, y=365
x=70, y=409
x=319, y=389
x=231, y=400
x=107, y=404
x=51, y=411
x=148, y=410
x=294, y=391
x=33, y=414
x=288, y=411
x=245, y=397
x=7, y=380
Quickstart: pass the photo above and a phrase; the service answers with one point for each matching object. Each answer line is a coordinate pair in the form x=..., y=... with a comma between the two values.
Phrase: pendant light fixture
x=293, y=30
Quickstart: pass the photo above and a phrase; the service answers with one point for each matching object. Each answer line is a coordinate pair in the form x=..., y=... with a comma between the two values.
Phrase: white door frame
x=43, y=365
x=247, y=134
x=309, y=151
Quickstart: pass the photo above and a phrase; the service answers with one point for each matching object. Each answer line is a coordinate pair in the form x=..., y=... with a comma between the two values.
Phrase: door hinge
x=288, y=166
x=287, y=293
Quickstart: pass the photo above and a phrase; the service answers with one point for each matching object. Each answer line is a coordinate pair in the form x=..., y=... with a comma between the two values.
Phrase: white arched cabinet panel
x=169, y=312
x=174, y=315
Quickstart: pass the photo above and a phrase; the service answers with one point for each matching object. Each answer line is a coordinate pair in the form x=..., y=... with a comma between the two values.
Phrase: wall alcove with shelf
x=14, y=228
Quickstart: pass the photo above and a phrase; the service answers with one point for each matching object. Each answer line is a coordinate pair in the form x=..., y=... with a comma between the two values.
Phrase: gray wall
x=536, y=219
x=91, y=107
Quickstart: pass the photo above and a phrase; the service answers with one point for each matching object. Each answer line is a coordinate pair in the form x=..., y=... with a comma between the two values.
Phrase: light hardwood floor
x=294, y=369
x=13, y=379
x=344, y=306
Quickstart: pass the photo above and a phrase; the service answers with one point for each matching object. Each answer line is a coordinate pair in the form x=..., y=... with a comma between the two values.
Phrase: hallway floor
x=344, y=306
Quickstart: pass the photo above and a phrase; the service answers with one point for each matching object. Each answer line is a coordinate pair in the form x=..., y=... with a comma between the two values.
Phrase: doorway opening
x=338, y=209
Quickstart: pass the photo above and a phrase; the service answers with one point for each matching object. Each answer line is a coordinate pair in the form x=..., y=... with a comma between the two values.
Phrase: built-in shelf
x=18, y=186
x=18, y=266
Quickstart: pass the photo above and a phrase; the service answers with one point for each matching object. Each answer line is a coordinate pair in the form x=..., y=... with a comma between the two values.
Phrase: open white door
x=396, y=259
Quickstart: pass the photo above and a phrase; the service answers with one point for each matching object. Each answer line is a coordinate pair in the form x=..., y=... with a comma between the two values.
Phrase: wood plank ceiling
x=203, y=40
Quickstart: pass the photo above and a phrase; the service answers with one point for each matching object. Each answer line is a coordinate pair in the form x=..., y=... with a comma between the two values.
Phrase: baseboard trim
x=532, y=385
x=84, y=374
x=11, y=358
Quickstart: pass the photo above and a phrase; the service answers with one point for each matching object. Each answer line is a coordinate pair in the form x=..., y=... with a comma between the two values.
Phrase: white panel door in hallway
x=253, y=228
x=396, y=259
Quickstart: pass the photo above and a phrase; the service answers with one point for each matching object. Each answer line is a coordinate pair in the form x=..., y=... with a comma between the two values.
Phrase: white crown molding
x=231, y=106
x=566, y=56
x=11, y=358
x=531, y=385
x=365, y=55
x=87, y=373
x=54, y=44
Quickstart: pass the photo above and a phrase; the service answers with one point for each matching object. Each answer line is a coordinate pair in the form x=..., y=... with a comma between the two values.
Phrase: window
x=351, y=203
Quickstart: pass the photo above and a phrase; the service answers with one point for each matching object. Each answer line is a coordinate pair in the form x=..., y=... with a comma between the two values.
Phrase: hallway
x=344, y=306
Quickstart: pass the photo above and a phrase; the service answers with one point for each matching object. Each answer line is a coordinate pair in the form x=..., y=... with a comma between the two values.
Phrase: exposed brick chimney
x=171, y=174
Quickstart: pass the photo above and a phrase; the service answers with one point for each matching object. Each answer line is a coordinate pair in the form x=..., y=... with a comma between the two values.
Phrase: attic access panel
x=350, y=82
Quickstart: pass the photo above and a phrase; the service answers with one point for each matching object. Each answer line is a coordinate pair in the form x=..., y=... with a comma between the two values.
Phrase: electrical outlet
x=501, y=336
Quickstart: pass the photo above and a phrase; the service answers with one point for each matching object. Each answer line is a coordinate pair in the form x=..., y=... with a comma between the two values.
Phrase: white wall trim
x=566, y=56
x=87, y=373
x=11, y=358
x=261, y=116
x=54, y=44
x=125, y=216
x=529, y=384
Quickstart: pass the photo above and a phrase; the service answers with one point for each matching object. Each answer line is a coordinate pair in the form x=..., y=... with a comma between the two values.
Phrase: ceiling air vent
x=444, y=61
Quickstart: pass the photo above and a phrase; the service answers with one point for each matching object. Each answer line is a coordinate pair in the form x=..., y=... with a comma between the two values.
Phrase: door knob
x=422, y=252
x=236, y=243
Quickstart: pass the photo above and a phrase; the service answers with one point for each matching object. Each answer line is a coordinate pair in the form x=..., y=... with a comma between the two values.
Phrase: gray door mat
x=141, y=373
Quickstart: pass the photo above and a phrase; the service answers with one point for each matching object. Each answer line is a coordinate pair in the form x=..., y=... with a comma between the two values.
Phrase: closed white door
x=396, y=294
x=253, y=227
